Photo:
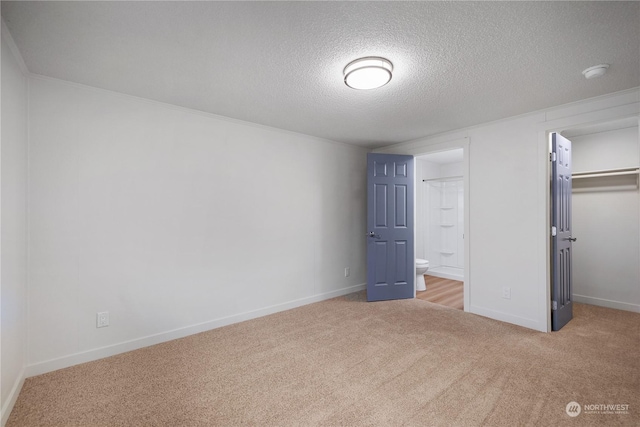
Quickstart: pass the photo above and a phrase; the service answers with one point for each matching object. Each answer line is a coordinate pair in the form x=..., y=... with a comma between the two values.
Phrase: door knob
x=374, y=235
x=573, y=239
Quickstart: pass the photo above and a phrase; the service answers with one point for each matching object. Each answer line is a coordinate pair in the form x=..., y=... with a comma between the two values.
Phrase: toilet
x=422, y=265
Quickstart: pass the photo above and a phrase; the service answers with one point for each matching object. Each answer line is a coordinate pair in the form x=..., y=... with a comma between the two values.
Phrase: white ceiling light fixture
x=368, y=73
x=595, y=71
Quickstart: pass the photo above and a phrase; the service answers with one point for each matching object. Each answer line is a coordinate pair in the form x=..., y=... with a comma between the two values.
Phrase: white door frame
x=446, y=146
x=544, y=131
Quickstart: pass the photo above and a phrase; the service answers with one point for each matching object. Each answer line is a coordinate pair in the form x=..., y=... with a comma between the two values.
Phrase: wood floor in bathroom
x=443, y=291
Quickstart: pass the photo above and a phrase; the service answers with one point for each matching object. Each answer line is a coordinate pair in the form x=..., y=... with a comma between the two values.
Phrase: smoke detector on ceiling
x=595, y=71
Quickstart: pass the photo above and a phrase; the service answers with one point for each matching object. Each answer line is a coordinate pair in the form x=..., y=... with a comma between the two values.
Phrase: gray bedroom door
x=561, y=274
x=390, y=258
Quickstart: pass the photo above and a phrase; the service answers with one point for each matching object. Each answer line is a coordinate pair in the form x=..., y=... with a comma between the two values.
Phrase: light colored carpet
x=352, y=363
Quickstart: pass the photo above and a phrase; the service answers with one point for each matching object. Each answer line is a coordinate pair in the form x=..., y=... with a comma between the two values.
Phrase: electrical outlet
x=347, y=272
x=102, y=319
x=506, y=292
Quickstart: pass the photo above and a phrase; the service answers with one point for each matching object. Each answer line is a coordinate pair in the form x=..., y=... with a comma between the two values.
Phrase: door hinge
x=554, y=231
x=552, y=156
x=554, y=305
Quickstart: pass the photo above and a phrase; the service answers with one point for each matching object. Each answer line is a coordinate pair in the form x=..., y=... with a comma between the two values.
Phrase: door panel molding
x=561, y=277
x=390, y=227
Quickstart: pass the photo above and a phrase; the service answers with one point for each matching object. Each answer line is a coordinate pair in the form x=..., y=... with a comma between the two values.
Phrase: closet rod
x=608, y=172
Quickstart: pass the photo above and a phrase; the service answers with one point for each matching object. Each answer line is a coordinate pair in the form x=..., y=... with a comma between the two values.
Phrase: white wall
x=606, y=150
x=606, y=256
x=176, y=221
x=427, y=170
x=452, y=169
x=508, y=233
x=13, y=260
x=431, y=170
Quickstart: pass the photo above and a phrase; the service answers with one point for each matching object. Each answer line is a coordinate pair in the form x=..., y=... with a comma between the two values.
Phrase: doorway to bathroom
x=440, y=226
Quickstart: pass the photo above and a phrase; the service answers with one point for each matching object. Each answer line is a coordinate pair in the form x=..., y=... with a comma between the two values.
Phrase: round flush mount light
x=595, y=71
x=368, y=73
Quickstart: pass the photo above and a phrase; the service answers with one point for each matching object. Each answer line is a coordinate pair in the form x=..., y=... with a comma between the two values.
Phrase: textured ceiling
x=280, y=63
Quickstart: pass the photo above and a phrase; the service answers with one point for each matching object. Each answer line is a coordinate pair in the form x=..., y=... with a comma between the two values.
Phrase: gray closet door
x=562, y=294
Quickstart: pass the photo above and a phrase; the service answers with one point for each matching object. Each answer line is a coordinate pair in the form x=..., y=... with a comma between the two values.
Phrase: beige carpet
x=352, y=363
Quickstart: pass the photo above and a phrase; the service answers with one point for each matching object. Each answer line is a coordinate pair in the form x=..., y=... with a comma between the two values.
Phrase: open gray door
x=561, y=274
x=390, y=258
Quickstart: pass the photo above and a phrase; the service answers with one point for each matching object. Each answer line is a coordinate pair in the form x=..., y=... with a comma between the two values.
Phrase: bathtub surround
x=440, y=213
x=444, y=216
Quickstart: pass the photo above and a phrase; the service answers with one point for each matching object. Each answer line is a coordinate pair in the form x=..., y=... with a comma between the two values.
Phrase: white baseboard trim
x=111, y=350
x=509, y=318
x=13, y=396
x=607, y=303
